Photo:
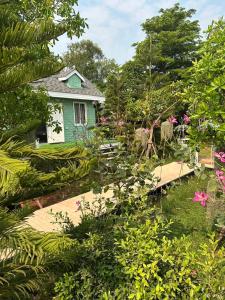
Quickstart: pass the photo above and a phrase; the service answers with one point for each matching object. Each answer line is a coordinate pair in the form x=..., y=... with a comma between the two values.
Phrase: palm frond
x=10, y=170
x=25, y=255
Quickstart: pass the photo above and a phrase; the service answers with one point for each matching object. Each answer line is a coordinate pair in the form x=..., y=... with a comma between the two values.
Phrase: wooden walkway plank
x=42, y=219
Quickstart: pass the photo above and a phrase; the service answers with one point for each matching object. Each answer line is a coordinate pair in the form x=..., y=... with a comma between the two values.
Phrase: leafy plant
x=131, y=255
x=27, y=172
x=26, y=256
x=205, y=93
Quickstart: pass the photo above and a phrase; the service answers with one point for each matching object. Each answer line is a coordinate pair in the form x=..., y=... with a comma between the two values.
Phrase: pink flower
x=220, y=175
x=103, y=120
x=220, y=156
x=201, y=197
x=172, y=120
x=186, y=119
x=120, y=123
x=146, y=130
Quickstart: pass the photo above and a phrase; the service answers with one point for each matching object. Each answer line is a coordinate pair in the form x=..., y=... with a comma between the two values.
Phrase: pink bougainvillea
x=104, y=120
x=146, y=130
x=186, y=119
x=120, y=123
x=201, y=197
x=220, y=175
x=220, y=156
x=172, y=120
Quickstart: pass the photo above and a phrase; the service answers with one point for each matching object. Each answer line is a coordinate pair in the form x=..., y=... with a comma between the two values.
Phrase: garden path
x=42, y=220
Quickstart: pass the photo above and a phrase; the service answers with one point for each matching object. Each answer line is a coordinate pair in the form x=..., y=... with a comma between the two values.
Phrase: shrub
x=134, y=257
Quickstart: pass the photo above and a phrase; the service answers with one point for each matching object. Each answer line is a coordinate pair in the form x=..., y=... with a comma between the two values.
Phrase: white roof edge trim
x=76, y=96
x=71, y=74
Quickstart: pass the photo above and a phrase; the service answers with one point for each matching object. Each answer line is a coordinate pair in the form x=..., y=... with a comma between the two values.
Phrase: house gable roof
x=71, y=74
x=56, y=85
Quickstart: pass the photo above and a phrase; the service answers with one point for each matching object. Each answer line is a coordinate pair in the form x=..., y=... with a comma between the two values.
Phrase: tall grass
x=188, y=217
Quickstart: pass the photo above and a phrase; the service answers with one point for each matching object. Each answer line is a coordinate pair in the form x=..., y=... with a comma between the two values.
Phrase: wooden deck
x=42, y=219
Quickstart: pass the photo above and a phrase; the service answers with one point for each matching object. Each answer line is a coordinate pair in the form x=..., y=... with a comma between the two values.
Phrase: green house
x=78, y=98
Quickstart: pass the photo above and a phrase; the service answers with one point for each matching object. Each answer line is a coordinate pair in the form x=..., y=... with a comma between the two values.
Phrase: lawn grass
x=69, y=144
x=61, y=145
x=188, y=218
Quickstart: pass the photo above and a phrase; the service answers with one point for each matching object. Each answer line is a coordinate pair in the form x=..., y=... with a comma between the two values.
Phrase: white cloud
x=208, y=14
x=115, y=24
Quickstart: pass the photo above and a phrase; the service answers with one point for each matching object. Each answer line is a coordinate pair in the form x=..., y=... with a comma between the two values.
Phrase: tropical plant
x=205, y=89
x=25, y=56
x=27, y=30
x=29, y=172
x=116, y=97
x=130, y=255
x=32, y=110
x=145, y=87
x=27, y=257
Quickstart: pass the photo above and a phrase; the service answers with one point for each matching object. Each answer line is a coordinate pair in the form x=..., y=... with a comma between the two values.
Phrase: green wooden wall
x=74, y=132
x=74, y=82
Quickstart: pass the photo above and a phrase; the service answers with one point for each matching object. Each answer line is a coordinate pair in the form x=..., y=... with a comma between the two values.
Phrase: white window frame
x=74, y=113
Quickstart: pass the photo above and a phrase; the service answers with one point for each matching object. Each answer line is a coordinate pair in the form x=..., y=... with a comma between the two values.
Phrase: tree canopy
x=172, y=39
x=171, y=44
x=28, y=28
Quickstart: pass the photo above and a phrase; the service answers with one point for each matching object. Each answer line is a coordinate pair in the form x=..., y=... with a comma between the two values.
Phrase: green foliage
x=159, y=268
x=173, y=38
x=131, y=255
x=30, y=107
x=160, y=60
x=149, y=108
x=170, y=46
x=63, y=11
x=65, y=287
x=26, y=256
x=27, y=28
x=116, y=97
x=90, y=61
x=205, y=91
x=21, y=61
x=26, y=172
x=10, y=170
x=188, y=218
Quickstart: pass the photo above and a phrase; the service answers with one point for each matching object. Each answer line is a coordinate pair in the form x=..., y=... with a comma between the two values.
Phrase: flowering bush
x=205, y=89
x=201, y=197
x=104, y=120
x=220, y=156
x=173, y=120
x=132, y=257
x=214, y=200
x=186, y=119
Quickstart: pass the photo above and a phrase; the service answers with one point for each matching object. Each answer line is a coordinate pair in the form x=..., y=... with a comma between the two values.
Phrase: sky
x=116, y=24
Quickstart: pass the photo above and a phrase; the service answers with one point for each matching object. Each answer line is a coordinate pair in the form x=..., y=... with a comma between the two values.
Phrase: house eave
x=76, y=96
